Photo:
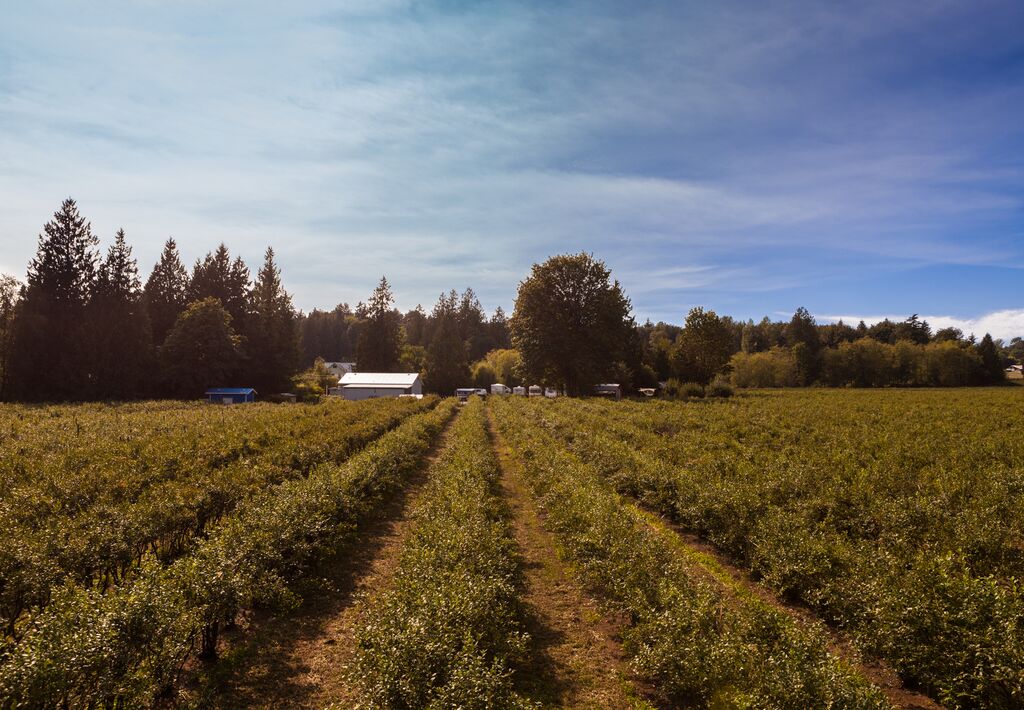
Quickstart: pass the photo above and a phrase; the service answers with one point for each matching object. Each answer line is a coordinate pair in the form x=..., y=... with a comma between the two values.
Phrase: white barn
x=367, y=385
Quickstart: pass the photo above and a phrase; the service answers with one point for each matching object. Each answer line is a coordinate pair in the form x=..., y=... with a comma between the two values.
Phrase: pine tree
x=166, y=292
x=119, y=339
x=10, y=295
x=47, y=362
x=216, y=276
x=992, y=369
x=447, y=362
x=380, y=338
x=273, y=341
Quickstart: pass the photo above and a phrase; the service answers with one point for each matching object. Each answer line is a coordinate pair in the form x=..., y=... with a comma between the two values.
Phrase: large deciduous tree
x=166, y=292
x=571, y=322
x=201, y=351
x=48, y=362
x=703, y=348
x=379, y=346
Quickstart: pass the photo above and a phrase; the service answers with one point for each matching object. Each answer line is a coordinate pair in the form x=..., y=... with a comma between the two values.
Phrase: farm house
x=230, y=395
x=368, y=385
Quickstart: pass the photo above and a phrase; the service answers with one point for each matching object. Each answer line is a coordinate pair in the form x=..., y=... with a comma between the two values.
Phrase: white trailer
x=498, y=388
x=521, y=391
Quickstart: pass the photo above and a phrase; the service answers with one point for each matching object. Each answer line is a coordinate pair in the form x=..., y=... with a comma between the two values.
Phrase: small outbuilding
x=230, y=395
x=609, y=390
x=370, y=385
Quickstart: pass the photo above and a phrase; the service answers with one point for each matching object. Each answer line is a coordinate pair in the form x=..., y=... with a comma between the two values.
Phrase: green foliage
x=896, y=516
x=771, y=368
x=201, y=351
x=380, y=338
x=506, y=366
x=217, y=276
x=683, y=390
x=126, y=647
x=571, y=323
x=105, y=487
x=118, y=339
x=47, y=360
x=447, y=363
x=703, y=348
x=447, y=632
x=272, y=344
x=719, y=387
x=313, y=383
x=484, y=375
x=697, y=645
x=166, y=292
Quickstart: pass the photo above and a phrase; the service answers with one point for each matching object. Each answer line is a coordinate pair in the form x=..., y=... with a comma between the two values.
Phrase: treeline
x=84, y=327
x=801, y=352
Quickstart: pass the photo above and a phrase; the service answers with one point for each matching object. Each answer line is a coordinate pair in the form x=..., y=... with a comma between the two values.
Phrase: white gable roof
x=379, y=379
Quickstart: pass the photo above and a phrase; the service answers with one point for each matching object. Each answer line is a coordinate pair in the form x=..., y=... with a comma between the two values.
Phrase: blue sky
x=860, y=159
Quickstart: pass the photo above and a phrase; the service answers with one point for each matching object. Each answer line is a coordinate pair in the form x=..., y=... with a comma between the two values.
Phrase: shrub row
x=129, y=646
x=102, y=543
x=699, y=646
x=913, y=553
x=447, y=631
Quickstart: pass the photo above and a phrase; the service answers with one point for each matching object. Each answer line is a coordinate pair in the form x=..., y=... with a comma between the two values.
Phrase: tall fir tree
x=47, y=361
x=118, y=337
x=992, y=368
x=217, y=276
x=10, y=295
x=380, y=338
x=273, y=341
x=447, y=362
x=166, y=292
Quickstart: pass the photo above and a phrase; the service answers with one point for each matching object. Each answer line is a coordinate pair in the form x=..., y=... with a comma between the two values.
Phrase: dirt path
x=705, y=559
x=300, y=659
x=575, y=660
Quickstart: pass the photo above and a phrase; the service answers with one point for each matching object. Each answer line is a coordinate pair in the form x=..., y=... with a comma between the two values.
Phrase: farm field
x=780, y=549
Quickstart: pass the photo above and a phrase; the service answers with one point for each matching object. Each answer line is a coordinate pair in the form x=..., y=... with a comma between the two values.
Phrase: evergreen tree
x=992, y=368
x=217, y=276
x=201, y=351
x=447, y=362
x=47, y=361
x=118, y=338
x=802, y=331
x=10, y=295
x=273, y=341
x=380, y=338
x=166, y=292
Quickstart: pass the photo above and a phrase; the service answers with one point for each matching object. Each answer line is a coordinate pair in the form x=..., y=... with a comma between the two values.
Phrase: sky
x=860, y=159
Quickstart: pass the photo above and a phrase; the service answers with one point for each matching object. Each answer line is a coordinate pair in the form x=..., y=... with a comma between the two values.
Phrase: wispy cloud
x=716, y=153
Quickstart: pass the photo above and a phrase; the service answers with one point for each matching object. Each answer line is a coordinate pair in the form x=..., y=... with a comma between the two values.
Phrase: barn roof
x=379, y=379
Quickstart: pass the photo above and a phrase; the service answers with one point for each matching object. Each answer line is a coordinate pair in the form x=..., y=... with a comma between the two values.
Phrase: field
x=784, y=549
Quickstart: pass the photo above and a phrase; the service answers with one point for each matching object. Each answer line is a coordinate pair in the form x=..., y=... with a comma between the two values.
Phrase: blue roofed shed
x=230, y=395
